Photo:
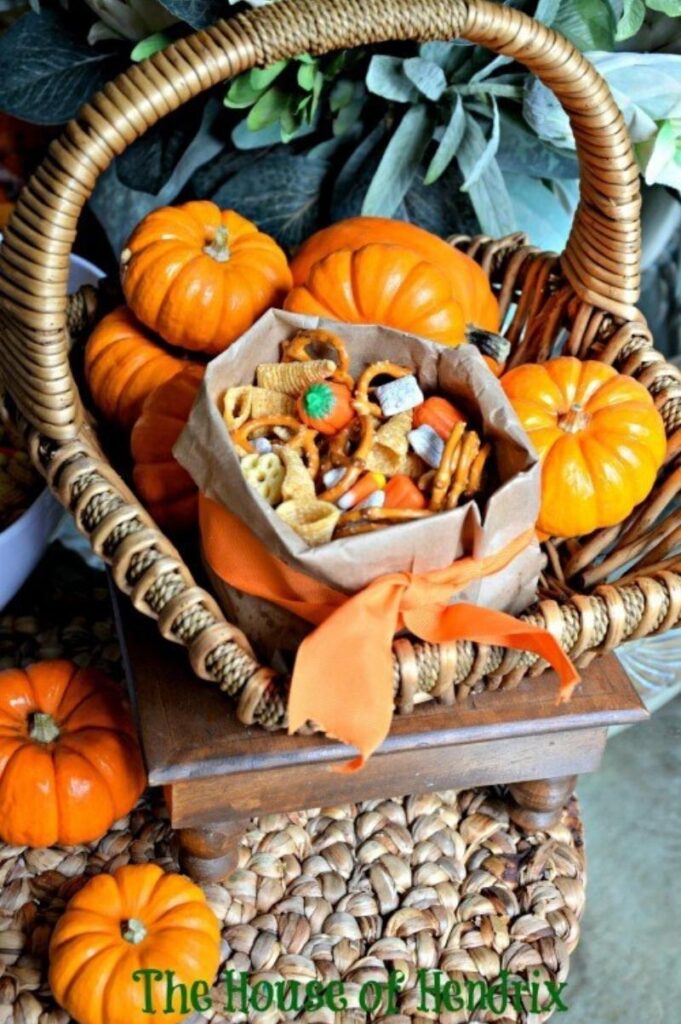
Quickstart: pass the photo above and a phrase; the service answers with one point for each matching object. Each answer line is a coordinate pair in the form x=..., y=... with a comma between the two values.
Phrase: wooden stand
x=218, y=773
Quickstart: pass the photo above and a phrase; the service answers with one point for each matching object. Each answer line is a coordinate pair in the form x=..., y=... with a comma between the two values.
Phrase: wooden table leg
x=537, y=804
x=210, y=854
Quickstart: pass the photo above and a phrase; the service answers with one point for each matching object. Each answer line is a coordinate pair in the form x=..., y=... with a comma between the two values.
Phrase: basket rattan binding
x=585, y=299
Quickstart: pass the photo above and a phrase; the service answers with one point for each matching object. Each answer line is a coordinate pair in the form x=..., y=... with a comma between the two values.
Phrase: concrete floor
x=627, y=967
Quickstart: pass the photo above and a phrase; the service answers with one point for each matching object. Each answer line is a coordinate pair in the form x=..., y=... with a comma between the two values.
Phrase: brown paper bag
x=349, y=564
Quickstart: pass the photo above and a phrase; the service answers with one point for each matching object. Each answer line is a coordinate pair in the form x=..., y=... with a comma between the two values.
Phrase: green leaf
x=399, y=163
x=429, y=78
x=306, y=76
x=386, y=78
x=521, y=151
x=448, y=145
x=197, y=13
x=539, y=212
x=589, y=24
x=149, y=46
x=488, y=192
x=48, y=70
x=486, y=156
x=633, y=13
x=242, y=93
x=672, y=8
x=283, y=192
x=341, y=94
x=261, y=78
x=243, y=138
x=546, y=11
x=267, y=109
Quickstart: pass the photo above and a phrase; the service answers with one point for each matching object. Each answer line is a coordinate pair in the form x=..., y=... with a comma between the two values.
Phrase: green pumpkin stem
x=319, y=401
x=43, y=728
x=133, y=931
x=218, y=247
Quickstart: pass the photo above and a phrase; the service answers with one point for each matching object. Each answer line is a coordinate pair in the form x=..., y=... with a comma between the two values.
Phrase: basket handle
x=601, y=259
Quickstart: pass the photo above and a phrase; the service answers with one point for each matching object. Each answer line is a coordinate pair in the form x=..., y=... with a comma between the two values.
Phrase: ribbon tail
x=343, y=675
x=488, y=626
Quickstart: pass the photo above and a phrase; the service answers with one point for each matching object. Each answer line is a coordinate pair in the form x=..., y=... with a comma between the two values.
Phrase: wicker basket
x=581, y=302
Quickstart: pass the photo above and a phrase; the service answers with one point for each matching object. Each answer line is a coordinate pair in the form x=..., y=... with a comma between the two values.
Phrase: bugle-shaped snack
x=390, y=446
x=298, y=482
x=293, y=378
x=313, y=520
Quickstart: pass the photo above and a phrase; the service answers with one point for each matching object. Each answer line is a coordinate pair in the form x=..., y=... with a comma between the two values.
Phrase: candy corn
x=365, y=486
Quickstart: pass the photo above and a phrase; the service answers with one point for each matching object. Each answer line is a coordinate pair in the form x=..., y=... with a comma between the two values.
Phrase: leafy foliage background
x=444, y=133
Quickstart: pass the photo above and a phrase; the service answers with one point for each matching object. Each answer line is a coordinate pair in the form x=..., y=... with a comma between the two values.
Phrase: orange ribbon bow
x=354, y=634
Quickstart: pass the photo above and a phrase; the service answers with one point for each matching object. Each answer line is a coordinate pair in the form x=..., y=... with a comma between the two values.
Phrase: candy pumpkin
x=69, y=760
x=600, y=439
x=123, y=364
x=136, y=919
x=383, y=284
x=200, y=276
x=164, y=486
x=470, y=285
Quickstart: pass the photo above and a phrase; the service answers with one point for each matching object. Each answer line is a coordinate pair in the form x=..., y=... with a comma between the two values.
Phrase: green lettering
x=236, y=987
x=267, y=989
x=174, y=988
x=334, y=997
x=554, y=990
x=148, y=974
x=200, y=996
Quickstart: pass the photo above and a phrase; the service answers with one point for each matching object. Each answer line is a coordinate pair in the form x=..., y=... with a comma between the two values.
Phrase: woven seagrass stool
x=217, y=773
x=438, y=882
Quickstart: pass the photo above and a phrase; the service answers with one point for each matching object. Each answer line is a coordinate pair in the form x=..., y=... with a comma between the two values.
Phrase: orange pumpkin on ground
x=200, y=276
x=470, y=285
x=383, y=284
x=136, y=919
x=598, y=434
x=69, y=760
x=166, y=489
x=123, y=365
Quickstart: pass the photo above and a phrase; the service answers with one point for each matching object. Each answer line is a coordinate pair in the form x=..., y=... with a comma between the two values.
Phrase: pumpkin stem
x=133, y=931
x=574, y=420
x=218, y=247
x=43, y=728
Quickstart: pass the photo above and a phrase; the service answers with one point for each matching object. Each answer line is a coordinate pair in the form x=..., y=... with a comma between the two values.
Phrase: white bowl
x=23, y=543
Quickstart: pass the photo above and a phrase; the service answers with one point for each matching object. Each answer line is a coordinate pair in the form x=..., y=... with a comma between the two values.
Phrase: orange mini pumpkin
x=469, y=283
x=200, y=276
x=164, y=486
x=69, y=760
x=326, y=406
x=123, y=364
x=600, y=439
x=135, y=920
x=382, y=284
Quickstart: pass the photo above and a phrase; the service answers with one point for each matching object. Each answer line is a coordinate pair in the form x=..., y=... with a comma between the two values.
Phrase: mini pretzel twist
x=356, y=462
x=364, y=381
x=302, y=437
x=241, y=436
x=296, y=351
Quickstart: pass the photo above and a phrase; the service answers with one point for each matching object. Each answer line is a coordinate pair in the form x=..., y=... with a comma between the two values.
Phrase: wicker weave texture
x=441, y=882
x=582, y=302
